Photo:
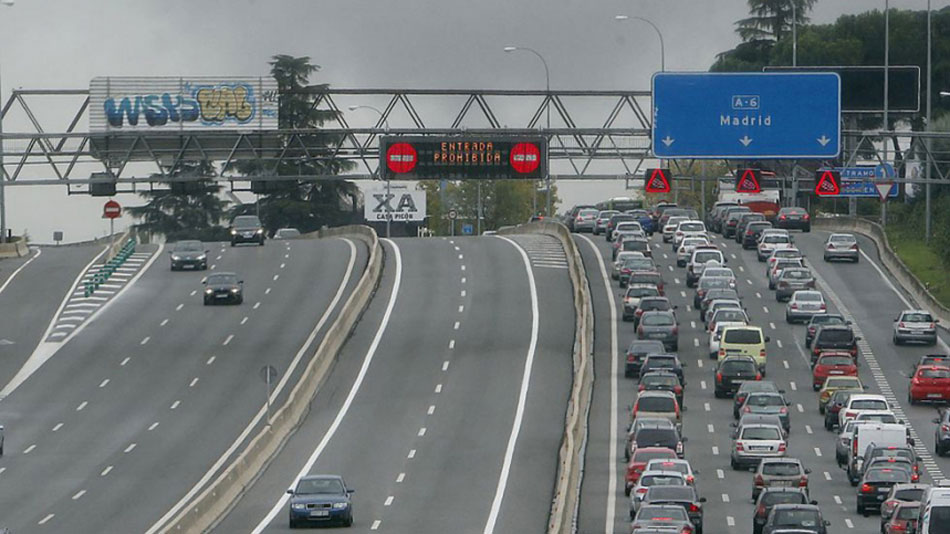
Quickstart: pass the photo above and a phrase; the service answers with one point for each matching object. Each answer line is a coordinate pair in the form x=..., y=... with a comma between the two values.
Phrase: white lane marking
x=793, y=386
x=720, y=474
x=104, y=383
x=422, y=432
x=801, y=409
x=276, y=276
x=741, y=269
x=153, y=426
x=456, y=248
x=837, y=499
x=228, y=339
x=175, y=404
x=733, y=255
x=696, y=342
x=817, y=452
x=715, y=450
x=282, y=265
x=706, y=406
x=29, y=449
x=27, y=262
x=438, y=388
x=431, y=409
x=125, y=361
x=702, y=384
x=699, y=363
x=457, y=325
x=463, y=293
x=827, y=476
x=244, y=320
x=683, y=294
x=522, y=395
x=194, y=292
x=731, y=521
x=711, y=428
x=765, y=309
x=676, y=281
x=193, y=382
x=389, y=501
x=725, y=497
x=267, y=291
x=164, y=322
x=257, y=305
x=779, y=343
x=614, y=384
x=79, y=495
x=179, y=307
x=145, y=340
x=57, y=427
x=692, y=324
x=400, y=478
x=463, y=267
x=219, y=257
x=210, y=360
x=286, y=255
x=848, y=522
x=749, y=280
x=105, y=471
x=461, y=257
x=451, y=344
x=375, y=525
x=46, y=519
x=758, y=295
x=412, y=454
x=281, y=503
x=808, y=429
x=772, y=325
x=463, y=279
x=785, y=364
x=213, y=266
x=82, y=405
x=445, y=365
x=461, y=309
x=130, y=448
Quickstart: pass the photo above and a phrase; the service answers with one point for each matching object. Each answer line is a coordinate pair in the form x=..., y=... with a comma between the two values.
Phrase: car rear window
x=781, y=469
x=765, y=400
x=807, y=296
x=886, y=475
x=719, y=272
x=661, y=480
x=783, y=497
x=646, y=456
x=656, y=404
x=645, y=278
x=762, y=432
x=776, y=238
x=935, y=373
x=868, y=404
x=692, y=227
x=680, y=493
x=646, y=347
x=796, y=274
x=843, y=239
x=909, y=494
x=743, y=336
x=917, y=318
x=667, y=512
x=664, y=362
x=679, y=467
x=643, y=292
x=735, y=366
x=835, y=360
x=796, y=518
x=660, y=380
x=657, y=319
x=835, y=336
x=704, y=256
x=711, y=282
x=726, y=316
x=841, y=382
x=654, y=304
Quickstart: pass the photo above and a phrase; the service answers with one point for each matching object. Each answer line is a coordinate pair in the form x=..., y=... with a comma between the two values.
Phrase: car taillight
x=854, y=351
x=854, y=246
x=866, y=488
x=831, y=246
x=640, y=331
x=803, y=482
x=783, y=410
x=782, y=218
x=739, y=447
x=805, y=217
x=747, y=410
x=781, y=447
x=641, y=490
x=914, y=477
x=758, y=376
x=900, y=324
x=677, y=389
x=915, y=381
x=815, y=350
x=849, y=414
x=579, y=218
x=933, y=325
x=794, y=306
x=722, y=352
x=639, y=312
x=676, y=330
x=631, y=357
x=823, y=307
x=759, y=481
x=690, y=480
x=762, y=353
x=641, y=387
x=718, y=377
x=945, y=428
x=760, y=510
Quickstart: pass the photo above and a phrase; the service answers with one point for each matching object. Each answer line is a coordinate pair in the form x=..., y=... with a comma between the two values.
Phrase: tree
x=186, y=210
x=504, y=202
x=303, y=205
x=770, y=20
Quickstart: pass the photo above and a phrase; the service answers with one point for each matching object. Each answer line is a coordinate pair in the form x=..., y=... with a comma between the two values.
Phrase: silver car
x=803, y=305
x=776, y=268
x=585, y=220
x=768, y=243
x=767, y=403
x=601, y=222
x=792, y=280
x=842, y=247
x=687, y=247
x=756, y=442
x=784, y=472
x=660, y=326
x=915, y=325
x=618, y=262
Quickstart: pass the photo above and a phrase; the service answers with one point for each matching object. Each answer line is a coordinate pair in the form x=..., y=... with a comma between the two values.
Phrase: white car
x=788, y=253
x=602, y=218
x=670, y=227
x=626, y=226
x=728, y=311
x=770, y=242
x=686, y=229
x=803, y=305
x=860, y=402
x=756, y=442
x=698, y=261
x=666, y=464
x=686, y=248
x=720, y=272
x=778, y=266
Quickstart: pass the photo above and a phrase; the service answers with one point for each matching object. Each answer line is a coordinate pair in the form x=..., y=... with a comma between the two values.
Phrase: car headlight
x=202, y=257
x=260, y=230
x=233, y=231
x=298, y=506
x=235, y=289
x=176, y=258
x=209, y=291
x=340, y=505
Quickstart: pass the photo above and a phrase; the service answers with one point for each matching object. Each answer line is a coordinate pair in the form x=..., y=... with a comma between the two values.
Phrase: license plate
x=836, y=372
x=758, y=448
x=738, y=380
x=783, y=483
x=658, y=335
x=248, y=234
x=319, y=513
x=934, y=395
x=189, y=266
x=221, y=296
x=883, y=489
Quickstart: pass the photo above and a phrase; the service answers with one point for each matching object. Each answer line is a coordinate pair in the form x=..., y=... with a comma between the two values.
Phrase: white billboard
x=399, y=205
x=170, y=103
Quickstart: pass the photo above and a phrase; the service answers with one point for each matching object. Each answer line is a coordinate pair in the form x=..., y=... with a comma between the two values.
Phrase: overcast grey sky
x=358, y=43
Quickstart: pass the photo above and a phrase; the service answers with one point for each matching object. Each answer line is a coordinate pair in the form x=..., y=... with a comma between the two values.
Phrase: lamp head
x=510, y=48
x=621, y=17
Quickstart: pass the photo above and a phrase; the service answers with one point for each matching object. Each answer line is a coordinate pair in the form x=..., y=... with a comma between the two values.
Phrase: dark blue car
x=320, y=499
x=646, y=221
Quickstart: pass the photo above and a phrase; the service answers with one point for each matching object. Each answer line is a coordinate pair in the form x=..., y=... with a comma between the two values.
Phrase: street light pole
x=887, y=51
x=928, y=143
x=389, y=214
x=794, y=34
x=547, y=88
x=658, y=34
x=3, y=180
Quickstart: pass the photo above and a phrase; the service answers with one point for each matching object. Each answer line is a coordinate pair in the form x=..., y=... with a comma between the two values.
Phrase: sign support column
x=389, y=213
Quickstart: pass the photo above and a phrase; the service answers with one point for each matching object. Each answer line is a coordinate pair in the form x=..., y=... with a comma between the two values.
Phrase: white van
x=934, y=511
x=880, y=434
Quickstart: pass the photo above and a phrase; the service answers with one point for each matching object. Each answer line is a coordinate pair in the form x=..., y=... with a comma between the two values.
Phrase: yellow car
x=744, y=341
x=834, y=383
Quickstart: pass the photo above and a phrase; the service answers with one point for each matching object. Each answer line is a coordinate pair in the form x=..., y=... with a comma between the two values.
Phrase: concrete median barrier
x=213, y=502
x=566, y=498
x=15, y=249
x=892, y=262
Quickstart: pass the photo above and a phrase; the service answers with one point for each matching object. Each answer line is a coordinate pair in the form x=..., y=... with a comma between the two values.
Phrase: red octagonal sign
x=111, y=210
x=525, y=157
x=401, y=158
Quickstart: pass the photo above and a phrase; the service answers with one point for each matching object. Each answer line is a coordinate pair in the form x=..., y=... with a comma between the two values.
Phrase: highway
x=131, y=414
x=446, y=408
x=858, y=290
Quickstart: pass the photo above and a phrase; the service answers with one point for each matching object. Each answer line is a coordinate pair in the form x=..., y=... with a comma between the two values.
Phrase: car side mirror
x=814, y=503
x=290, y=491
x=767, y=339
x=241, y=282
x=733, y=424
x=900, y=421
x=204, y=282
x=847, y=323
x=866, y=387
x=207, y=251
x=676, y=307
x=807, y=471
x=351, y=491
x=684, y=364
x=782, y=391
x=684, y=439
x=702, y=499
x=857, y=338
x=827, y=523
x=936, y=321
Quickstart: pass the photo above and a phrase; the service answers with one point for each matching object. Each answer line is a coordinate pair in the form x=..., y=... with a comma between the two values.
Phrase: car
x=940, y=360
x=715, y=336
x=664, y=517
x=832, y=364
x=842, y=247
x=744, y=220
x=769, y=242
x=779, y=473
x=915, y=325
x=901, y=493
x=713, y=295
x=837, y=400
x=697, y=262
x=788, y=253
x=752, y=233
x=639, y=458
x=715, y=212
x=774, y=495
x=858, y=402
x=876, y=485
x=648, y=479
x=745, y=341
x=792, y=279
x=686, y=229
x=834, y=383
x=804, y=304
x=731, y=220
x=644, y=422
x=719, y=272
x=663, y=362
x=645, y=219
x=631, y=299
x=662, y=381
x=941, y=433
x=637, y=352
x=731, y=372
x=755, y=443
x=843, y=442
x=247, y=229
x=223, y=288
x=669, y=227
x=320, y=499
x=678, y=465
x=929, y=383
x=905, y=459
x=618, y=262
x=793, y=218
x=658, y=404
x=747, y=419
x=775, y=268
x=584, y=220
x=819, y=320
x=769, y=404
x=902, y=520
x=652, y=304
x=637, y=244
x=747, y=388
x=683, y=496
x=600, y=223
x=634, y=264
x=571, y=215
x=687, y=247
x=797, y=518
x=612, y=224
x=724, y=310
x=286, y=233
x=934, y=510
x=835, y=338
x=645, y=277
x=708, y=283
x=188, y=254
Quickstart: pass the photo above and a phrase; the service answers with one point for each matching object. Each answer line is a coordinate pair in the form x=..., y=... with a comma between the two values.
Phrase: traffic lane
x=164, y=359
x=30, y=301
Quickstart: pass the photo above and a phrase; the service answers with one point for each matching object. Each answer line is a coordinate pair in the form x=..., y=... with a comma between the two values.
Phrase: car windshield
x=666, y=513
x=765, y=400
x=743, y=336
x=917, y=318
x=835, y=360
x=656, y=404
x=835, y=336
x=643, y=292
x=781, y=469
x=796, y=274
x=868, y=404
x=646, y=456
x=808, y=296
x=247, y=222
x=704, y=256
x=737, y=366
x=318, y=486
x=188, y=246
x=645, y=347
x=935, y=373
x=222, y=279
x=796, y=518
x=886, y=475
x=761, y=432
x=772, y=498
x=657, y=319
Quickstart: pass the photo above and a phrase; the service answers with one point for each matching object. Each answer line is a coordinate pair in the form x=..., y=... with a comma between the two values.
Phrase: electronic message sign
x=463, y=157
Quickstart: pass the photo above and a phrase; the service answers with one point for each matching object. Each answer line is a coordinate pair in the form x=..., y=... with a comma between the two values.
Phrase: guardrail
x=564, y=506
x=212, y=503
x=892, y=262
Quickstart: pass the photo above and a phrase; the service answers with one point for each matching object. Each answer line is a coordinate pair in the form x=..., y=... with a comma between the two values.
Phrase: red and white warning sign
x=657, y=181
x=748, y=181
x=827, y=184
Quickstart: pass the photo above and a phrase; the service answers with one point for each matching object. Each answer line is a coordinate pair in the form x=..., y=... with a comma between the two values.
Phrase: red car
x=904, y=519
x=837, y=363
x=638, y=462
x=930, y=383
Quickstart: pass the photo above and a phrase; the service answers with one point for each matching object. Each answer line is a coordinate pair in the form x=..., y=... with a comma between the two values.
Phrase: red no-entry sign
x=401, y=158
x=112, y=210
x=525, y=157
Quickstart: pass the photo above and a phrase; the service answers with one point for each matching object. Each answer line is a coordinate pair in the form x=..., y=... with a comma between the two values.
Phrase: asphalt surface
x=423, y=433
x=133, y=411
x=33, y=295
x=859, y=289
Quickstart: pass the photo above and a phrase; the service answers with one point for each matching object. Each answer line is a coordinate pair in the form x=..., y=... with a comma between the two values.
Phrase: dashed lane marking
x=412, y=454
x=400, y=478
x=82, y=405
x=78, y=495
x=57, y=427
x=46, y=519
x=106, y=471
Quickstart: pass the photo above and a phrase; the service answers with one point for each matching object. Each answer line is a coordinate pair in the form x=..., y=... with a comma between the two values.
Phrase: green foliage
x=928, y=261
x=504, y=202
x=772, y=19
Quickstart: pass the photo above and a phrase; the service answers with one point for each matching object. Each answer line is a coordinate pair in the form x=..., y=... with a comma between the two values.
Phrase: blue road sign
x=859, y=181
x=467, y=229
x=746, y=115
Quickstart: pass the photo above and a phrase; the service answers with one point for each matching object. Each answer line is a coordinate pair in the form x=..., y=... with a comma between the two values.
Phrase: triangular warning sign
x=883, y=190
x=657, y=182
x=748, y=182
x=827, y=184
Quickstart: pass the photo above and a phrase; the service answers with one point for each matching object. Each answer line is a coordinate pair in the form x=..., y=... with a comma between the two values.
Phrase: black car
x=662, y=381
x=834, y=337
x=320, y=500
x=771, y=496
x=793, y=218
x=663, y=362
x=941, y=433
x=188, y=254
x=732, y=372
x=876, y=484
x=750, y=237
x=707, y=284
x=651, y=304
x=247, y=229
x=820, y=319
x=638, y=350
x=838, y=399
x=223, y=288
x=685, y=496
x=743, y=223
x=755, y=386
x=732, y=219
x=797, y=517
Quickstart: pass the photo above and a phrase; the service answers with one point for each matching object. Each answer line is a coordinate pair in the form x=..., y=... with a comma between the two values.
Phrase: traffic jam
x=874, y=448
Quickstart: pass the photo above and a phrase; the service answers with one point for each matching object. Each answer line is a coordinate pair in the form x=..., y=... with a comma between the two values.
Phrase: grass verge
x=924, y=262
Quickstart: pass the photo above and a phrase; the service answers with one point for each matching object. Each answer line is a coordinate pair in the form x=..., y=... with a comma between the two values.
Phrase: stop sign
x=112, y=210
x=401, y=158
x=525, y=157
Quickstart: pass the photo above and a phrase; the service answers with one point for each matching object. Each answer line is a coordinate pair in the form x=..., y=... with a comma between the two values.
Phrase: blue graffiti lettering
x=159, y=110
